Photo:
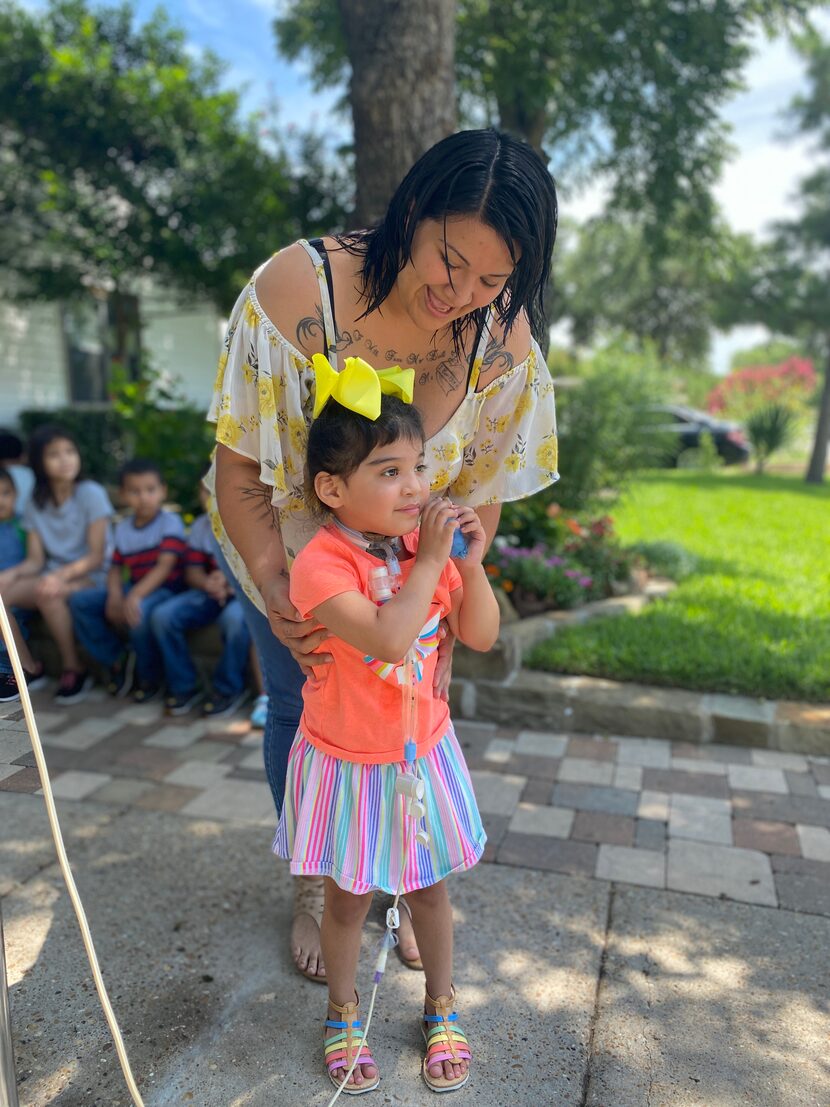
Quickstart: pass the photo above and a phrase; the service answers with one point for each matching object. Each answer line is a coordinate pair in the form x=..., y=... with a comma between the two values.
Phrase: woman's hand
x=51, y=587
x=474, y=535
x=443, y=667
x=438, y=524
x=300, y=636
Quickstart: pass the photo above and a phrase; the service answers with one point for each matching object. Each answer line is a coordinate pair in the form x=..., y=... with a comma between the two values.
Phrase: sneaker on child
x=259, y=714
x=180, y=705
x=144, y=693
x=73, y=687
x=218, y=706
x=121, y=676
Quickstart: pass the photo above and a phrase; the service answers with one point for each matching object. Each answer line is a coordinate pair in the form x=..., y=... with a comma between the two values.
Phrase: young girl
x=342, y=817
x=67, y=519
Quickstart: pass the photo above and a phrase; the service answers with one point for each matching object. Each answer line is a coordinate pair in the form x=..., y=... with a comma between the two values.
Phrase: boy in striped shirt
x=146, y=570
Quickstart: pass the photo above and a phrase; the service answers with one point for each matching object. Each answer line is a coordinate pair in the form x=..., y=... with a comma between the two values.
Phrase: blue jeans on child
x=188, y=611
x=284, y=680
x=21, y=614
x=103, y=642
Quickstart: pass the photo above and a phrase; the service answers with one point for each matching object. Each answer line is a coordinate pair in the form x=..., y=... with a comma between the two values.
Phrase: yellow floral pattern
x=499, y=445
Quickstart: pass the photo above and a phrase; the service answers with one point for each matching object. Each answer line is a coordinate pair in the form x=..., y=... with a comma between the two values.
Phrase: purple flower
x=585, y=582
x=572, y=574
x=554, y=562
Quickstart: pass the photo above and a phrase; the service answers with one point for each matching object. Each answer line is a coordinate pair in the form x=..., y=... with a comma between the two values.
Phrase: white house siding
x=32, y=359
x=185, y=341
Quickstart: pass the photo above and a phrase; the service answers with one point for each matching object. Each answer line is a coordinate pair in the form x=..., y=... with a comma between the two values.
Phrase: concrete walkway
x=581, y=988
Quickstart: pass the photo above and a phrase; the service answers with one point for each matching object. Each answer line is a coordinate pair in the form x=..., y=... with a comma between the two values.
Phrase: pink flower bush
x=758, y=386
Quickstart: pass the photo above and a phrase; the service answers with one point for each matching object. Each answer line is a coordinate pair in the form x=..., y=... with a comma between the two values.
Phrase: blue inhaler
x=459, y=545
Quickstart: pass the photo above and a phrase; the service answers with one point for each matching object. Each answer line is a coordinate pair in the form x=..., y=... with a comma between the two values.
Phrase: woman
x=451, y=283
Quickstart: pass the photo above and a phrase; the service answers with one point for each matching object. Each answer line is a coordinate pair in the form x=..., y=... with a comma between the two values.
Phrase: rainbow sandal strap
x=340, y=1049
x=444, y=1042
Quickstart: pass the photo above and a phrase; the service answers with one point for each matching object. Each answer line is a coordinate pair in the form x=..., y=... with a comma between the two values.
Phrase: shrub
x=666, y=559
x=769, y=430
x=603, y=427
x=745, y=391
x=704, y=457
x=537, y=580
x=143, y=422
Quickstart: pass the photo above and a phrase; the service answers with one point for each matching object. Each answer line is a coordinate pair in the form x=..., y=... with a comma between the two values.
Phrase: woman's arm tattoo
x=258, y=496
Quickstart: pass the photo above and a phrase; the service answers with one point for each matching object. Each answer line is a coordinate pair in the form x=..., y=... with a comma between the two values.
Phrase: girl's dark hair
x=339, y=440
x=41, y=438
x=487, y=174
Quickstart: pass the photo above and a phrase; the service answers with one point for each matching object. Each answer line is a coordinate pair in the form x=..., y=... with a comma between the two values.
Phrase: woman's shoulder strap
x=316, y=250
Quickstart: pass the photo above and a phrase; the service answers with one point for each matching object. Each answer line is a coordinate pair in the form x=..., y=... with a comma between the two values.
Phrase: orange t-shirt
x=352, y=708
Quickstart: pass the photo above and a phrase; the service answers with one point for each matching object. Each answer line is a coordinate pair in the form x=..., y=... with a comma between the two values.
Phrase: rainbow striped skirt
x=343, y=819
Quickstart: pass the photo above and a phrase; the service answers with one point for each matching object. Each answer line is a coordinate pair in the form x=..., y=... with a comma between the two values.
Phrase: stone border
x=494, y=687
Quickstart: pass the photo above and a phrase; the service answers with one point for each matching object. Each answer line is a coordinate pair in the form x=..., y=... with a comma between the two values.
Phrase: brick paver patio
x=720, y=821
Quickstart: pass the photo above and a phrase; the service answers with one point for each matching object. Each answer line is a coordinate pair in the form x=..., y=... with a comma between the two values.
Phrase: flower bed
x=577, y=562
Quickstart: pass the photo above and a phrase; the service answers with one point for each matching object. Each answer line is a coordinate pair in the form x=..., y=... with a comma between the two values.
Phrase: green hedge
x=180, y=441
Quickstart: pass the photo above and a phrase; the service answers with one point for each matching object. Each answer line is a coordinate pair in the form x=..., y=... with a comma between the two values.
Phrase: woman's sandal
x=309, y=899
x=444, y=1042
x=410, y=962
x=342, y=1047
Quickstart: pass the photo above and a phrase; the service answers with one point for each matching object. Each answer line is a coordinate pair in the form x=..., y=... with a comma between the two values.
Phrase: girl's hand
x=7, y=578
x=51, y=587
x=443, y=666
x=438, y=523
x=114, y=608
x=475, y=536
x=132, y=610
x=300, y=636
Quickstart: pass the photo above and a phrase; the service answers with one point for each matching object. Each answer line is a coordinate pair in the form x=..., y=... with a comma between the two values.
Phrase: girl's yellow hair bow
x=358, y=387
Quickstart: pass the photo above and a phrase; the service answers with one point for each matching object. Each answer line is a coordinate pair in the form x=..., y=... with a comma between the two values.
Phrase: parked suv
x=682, y=427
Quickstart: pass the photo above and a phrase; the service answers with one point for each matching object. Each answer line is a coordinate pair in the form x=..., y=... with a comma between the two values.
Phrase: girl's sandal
x=444, y=1042
x=309, y=899
x=341, y=1048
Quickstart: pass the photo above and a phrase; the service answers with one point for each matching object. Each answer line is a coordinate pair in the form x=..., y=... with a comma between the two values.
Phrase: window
x=100, y=331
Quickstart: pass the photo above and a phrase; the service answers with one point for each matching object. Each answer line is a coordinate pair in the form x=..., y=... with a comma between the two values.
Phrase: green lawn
x=753, y=619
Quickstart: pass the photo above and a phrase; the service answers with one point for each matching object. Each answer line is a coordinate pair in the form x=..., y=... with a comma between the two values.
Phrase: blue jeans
x=21, y=614
x=188, y=611
x=103, y=642
x=284, y=680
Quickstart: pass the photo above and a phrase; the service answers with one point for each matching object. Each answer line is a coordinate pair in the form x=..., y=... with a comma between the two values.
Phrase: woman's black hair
x=340, y=440
x=42, y=437
x=487, y=174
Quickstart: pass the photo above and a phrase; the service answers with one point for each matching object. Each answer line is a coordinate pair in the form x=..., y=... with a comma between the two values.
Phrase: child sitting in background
x=12, y=554
x=67, y=549
x=209, y=599
x=11, y=459
x=146, y=571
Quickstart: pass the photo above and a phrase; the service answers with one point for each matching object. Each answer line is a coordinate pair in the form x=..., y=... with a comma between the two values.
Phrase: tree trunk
x=402, y=89
x=818, y=458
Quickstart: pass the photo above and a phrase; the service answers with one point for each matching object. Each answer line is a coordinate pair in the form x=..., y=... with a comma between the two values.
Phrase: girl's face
x=447, y=278
x=61, y=461
x=385, y=494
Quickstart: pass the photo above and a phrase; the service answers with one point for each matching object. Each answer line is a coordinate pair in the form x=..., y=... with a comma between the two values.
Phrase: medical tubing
x=63, y=861
x=380, y=590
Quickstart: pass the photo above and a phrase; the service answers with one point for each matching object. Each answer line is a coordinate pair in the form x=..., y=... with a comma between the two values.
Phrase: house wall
x=32, y=359
x=183, y=340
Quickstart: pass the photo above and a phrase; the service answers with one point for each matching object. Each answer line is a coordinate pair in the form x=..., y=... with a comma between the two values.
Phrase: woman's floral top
x=499, y=445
